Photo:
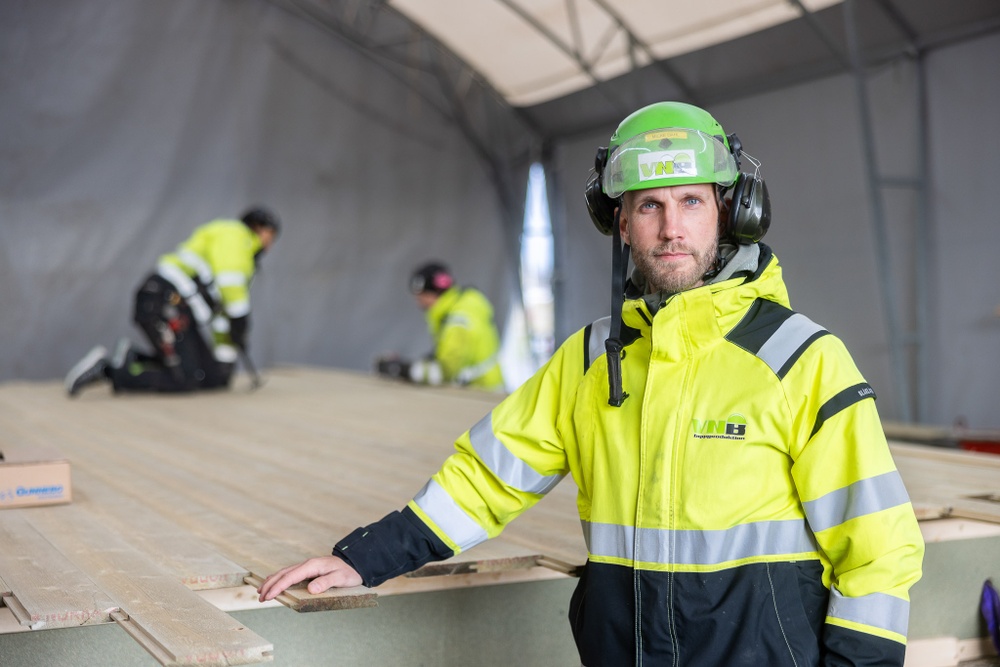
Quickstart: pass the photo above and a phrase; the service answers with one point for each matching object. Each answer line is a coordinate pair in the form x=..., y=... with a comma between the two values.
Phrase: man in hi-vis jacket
x=194, y=309
x=460, y=321
x=738, y=499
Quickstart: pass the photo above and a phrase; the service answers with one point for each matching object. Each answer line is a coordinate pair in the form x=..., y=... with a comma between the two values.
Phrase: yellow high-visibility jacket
x=466, y=342
x=212, y=270
x=740, y=508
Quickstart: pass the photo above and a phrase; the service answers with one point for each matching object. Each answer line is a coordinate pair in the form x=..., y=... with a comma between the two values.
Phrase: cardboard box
x=32, y=475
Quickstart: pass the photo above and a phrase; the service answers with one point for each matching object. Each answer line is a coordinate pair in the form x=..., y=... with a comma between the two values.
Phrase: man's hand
x=325, y=572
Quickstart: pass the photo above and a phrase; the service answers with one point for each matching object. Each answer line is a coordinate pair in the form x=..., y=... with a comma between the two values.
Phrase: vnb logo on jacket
x=733, y=427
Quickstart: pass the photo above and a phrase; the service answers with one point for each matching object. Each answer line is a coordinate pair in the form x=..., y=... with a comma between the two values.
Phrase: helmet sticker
x=666, y=164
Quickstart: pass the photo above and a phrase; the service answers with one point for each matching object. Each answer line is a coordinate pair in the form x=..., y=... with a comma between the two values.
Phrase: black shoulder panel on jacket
x=841, y=401
x=775, y=334
x=594, y=335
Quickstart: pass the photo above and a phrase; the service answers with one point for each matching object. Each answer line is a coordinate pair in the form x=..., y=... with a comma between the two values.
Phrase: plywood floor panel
x=219, y=488
x=224, y=487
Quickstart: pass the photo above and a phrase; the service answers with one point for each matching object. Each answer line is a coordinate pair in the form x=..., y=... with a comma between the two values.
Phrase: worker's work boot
x=88, y=370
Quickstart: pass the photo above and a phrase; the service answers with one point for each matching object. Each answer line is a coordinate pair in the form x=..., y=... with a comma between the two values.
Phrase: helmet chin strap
x=720, y=261
x=613, y=345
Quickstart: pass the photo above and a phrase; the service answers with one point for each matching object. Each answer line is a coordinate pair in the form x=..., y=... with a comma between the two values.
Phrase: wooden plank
x=174, y=624
x=9, y=623
x=947, y=482
x=299, y=599
x=944, y=530
x=941, y=436
x=195, y=564
x=409, y=585
x=45, y=589
x=919, y=433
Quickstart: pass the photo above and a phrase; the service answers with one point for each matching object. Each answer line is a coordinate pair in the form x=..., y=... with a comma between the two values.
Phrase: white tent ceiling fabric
x=536, y=50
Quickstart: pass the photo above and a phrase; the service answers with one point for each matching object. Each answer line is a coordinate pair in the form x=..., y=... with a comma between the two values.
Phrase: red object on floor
x=991, y=447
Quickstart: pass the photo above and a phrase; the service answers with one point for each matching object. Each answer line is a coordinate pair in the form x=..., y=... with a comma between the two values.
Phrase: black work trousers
x=181, y=360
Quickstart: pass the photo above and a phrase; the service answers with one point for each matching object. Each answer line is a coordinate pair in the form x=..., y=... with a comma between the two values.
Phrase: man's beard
x=661, y=278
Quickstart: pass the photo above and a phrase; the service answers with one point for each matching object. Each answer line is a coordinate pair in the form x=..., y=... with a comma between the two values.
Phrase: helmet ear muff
x=600, y=206
x=749, y=209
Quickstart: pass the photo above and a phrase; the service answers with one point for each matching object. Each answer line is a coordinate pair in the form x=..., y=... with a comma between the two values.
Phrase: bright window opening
x=530, y=332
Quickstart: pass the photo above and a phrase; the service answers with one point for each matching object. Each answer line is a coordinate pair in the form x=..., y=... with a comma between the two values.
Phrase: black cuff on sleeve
x=398, y=543
x=843, y=646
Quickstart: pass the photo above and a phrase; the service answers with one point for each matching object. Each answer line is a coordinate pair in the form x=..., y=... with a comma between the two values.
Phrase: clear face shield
x=666, y=157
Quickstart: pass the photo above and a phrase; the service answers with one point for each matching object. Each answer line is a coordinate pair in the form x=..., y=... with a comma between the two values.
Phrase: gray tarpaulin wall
x=125, y=124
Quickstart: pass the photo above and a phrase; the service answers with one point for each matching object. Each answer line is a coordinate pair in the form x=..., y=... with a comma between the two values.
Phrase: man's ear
x=623, y=224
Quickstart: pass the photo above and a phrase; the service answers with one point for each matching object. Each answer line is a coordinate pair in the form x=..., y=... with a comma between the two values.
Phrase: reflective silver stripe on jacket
x=204, y=271
x=699, y=547
x=189, y=290
x=878, y=610
x=239, y=308
x=448, y=516
x=233, y=279
x=866, y=496
x=476, y=371
x=599, y=332
x=505, y=465
x=787, y=340
x=457, y=319
x=230, y=279
x=196, y=264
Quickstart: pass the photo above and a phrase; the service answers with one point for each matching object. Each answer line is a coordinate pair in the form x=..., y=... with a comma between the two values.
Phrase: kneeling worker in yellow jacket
x=194, y=309
x=738, y=499
x=460, y=321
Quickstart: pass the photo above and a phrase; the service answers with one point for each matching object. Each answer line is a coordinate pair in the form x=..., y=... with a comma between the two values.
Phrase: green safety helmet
x=668, y=143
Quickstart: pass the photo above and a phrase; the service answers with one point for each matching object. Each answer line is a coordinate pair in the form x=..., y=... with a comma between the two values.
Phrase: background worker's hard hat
x=431, y=277
x=258, y=216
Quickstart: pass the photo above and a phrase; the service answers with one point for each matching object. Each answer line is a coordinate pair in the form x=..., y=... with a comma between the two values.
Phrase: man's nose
x=670, y=223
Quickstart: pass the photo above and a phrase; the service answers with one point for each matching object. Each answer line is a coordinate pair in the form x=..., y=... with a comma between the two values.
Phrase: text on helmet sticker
x=666, y=164
x=665, y=134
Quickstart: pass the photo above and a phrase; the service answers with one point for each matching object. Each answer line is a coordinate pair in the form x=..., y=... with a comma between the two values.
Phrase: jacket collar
x=717, y=299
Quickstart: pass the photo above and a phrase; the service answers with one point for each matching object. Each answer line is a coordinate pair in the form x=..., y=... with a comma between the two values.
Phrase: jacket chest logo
x=733, y=427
